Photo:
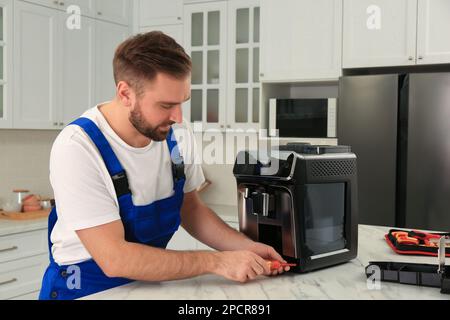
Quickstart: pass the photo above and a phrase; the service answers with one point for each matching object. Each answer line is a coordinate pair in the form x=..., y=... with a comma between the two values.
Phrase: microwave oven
x=302, y=118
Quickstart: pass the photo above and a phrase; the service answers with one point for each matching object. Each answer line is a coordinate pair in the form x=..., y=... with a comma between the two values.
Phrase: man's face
x=159, y=107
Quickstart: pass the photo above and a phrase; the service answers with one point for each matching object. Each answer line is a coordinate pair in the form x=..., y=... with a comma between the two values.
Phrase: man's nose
x=177, y=114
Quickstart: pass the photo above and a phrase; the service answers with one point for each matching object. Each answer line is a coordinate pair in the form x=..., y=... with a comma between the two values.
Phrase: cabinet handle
x=178, y=18
x=61, y=123
x=62, y=3
x=9, y=249
x=229, y=126
x=410, y=58
x=99, y=13
x=261, y=75
x=8, y=282
x=55, y=123
x=420, y=57
x=56, y=2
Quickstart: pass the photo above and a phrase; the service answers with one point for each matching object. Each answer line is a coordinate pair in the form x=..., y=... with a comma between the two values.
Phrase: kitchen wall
x=223, y=190
x=24, y=161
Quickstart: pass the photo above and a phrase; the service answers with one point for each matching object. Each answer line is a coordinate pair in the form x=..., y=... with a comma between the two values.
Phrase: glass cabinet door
x=5, y=62
x=244, y=85
x=205, y=41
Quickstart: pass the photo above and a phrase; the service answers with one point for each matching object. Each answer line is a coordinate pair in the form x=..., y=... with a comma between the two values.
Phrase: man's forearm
x=139, y=262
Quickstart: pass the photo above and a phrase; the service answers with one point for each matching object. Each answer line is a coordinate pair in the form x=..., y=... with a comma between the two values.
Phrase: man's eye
x=165, y=106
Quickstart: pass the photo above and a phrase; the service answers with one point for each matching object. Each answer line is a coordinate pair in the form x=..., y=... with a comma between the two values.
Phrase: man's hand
x=268, y=253
x=240, y=266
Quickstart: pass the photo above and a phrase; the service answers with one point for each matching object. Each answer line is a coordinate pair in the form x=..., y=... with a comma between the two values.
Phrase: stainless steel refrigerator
x=398, y=125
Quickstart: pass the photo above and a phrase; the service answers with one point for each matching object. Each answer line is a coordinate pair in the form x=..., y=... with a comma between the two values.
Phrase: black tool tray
x=412, y=273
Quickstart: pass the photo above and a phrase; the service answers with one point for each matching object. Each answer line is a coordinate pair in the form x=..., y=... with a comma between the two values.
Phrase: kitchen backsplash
x=24, y=161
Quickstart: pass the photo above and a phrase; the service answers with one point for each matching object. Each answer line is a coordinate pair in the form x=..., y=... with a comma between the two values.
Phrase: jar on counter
x=14, y=201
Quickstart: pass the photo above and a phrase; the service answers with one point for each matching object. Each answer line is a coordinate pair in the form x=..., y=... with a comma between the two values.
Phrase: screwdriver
x=275, y=265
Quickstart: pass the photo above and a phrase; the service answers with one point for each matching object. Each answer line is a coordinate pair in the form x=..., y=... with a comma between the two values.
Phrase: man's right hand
x=240, y=266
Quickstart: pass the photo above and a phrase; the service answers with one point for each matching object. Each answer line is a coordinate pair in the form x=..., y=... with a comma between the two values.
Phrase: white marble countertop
x=8, y=227
x=346, y=281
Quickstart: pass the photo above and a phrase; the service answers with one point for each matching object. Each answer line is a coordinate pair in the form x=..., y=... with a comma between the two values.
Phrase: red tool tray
x=413, y=242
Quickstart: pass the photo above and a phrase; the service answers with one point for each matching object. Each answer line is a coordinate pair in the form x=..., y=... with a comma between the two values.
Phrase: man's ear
x=125, y=94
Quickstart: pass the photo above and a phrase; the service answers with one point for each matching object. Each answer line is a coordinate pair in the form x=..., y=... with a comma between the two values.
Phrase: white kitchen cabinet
x=60, y=72
x=36, y=63
x=77, y=78
x=55, y=4
x=206, y=42
x=157, y=12
x=243, y=64
x=173, y=30
x=23, y=260
x=6, y=61
x=395, y=33
x=433, y=26
x=379, y=33
x=301, y=40
x=107, y=37
x=117, y=11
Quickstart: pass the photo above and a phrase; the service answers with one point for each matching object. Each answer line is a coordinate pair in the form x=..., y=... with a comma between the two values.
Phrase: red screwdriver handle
x=275, y=265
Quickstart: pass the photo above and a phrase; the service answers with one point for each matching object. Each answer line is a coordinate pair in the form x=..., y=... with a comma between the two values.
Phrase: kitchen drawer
x=20, y=277
x=22, y=245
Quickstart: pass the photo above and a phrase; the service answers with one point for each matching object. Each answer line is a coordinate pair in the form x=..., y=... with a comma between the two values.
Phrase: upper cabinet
x=206, y=43
x=6, y=54
x=60, y=72
x=243, y=89
x=36, y=64
x=301, y=40
x=117, y=11
x=379, y=33
x=157, y=12
x=223, y=40
x=395, y=33
x=433, y=26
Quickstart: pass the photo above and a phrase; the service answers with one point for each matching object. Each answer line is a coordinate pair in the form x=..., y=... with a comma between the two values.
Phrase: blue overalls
x=152, y=224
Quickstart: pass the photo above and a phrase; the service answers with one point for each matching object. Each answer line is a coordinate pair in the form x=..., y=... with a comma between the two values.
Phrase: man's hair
x=141, y=57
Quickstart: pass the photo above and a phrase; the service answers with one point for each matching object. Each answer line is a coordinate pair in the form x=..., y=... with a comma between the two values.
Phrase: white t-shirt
x=83, y=189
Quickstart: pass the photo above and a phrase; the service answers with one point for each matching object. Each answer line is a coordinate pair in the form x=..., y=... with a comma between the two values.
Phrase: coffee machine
x=302, y=200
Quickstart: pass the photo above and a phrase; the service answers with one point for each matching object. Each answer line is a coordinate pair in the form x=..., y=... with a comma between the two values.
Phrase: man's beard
x=153, y=133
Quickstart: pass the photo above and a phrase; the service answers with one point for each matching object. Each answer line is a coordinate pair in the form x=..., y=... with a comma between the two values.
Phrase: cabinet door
x=301, y=40
x=77, y=85
x=23, y=276
x=433, y=26
x=243, y=81
x=36, y=65
x=379, y=33
x=107, y=37
x=48, y=3
x=117, y=11
x=6, y=61
x=173, y=30
x=156, y=12
x=87, y=7
x=205, y=41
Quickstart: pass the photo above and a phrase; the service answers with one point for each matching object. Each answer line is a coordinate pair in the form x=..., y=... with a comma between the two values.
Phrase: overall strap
x=113, y=165
x=177, y=159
